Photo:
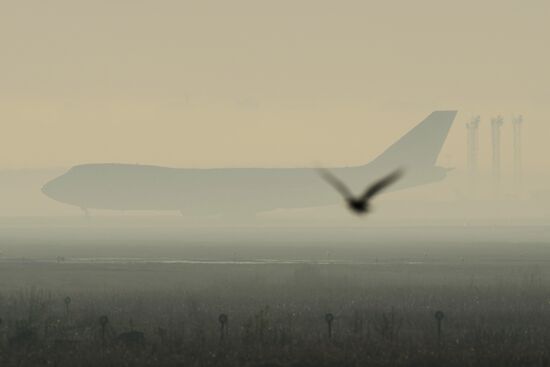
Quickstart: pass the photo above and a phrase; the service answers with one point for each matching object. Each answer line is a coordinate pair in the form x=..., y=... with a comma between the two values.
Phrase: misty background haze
x=271, y=84
x=265, y=84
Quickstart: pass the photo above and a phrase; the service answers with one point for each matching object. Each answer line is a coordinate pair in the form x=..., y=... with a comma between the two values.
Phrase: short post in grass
x=67, y=302
x=439, y=316
x=103, y=321
x=329, y=318
x=223, y=326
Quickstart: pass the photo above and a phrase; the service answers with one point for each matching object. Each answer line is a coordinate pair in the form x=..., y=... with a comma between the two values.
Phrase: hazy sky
x=263, y=83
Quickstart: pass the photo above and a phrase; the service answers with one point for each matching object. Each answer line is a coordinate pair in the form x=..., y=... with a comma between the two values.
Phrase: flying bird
x=360, y=204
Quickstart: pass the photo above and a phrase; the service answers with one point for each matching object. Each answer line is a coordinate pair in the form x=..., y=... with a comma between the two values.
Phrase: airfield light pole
x=473, y=143
x=517, y=122
x=496, y=123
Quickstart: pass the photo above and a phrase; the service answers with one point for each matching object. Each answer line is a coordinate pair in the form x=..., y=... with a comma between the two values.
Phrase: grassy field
x=169, y=314
x=292, y=300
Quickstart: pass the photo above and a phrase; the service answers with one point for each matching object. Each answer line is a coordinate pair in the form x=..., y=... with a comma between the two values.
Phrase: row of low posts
x=223, y=320
x=329, y=319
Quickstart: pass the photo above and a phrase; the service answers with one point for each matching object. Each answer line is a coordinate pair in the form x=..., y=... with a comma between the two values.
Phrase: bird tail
x=421, y=146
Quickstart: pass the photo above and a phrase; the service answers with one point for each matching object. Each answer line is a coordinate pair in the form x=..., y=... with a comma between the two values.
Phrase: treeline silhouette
x=279, y=325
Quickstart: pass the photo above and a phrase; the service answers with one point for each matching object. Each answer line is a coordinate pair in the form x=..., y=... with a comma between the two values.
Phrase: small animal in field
x=131, y=338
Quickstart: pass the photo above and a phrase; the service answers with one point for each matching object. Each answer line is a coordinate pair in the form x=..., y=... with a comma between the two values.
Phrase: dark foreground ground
x=136, y=301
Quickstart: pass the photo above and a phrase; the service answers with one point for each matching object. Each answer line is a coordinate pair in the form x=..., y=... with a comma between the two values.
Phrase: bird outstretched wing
x=382, y=184
x=335, y=182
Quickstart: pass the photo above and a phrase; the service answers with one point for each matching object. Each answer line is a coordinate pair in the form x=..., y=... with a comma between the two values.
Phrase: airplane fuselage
x=139, y=187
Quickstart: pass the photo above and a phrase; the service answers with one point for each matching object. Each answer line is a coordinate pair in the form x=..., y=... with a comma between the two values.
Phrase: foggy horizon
x=187, y=84
x=274, y=183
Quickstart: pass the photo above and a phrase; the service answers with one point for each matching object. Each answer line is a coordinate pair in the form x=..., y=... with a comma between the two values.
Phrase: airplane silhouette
x=360, y=204
x=245, y=191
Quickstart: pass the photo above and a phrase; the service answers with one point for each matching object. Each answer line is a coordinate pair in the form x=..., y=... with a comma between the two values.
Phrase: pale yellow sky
x=263, y=83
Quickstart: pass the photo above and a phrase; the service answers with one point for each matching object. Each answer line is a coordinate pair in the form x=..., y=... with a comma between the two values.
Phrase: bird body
x=359, y=206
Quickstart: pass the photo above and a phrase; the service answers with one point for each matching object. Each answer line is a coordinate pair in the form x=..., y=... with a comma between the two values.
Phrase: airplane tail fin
x=420, y=147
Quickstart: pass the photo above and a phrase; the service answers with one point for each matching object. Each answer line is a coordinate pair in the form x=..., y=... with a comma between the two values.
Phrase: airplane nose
x=47, y=189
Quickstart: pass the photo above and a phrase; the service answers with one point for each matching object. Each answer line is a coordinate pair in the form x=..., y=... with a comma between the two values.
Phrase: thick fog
x=176, y=179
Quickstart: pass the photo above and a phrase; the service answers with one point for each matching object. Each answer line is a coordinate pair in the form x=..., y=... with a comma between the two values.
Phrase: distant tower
x=517, y=121
x=473, y=143
x=496, y=123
